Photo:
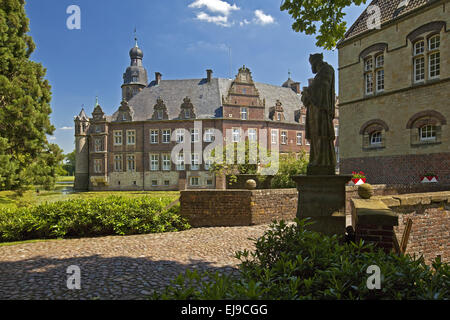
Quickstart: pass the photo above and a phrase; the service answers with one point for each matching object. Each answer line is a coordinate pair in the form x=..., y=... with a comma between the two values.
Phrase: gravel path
x=118, y=267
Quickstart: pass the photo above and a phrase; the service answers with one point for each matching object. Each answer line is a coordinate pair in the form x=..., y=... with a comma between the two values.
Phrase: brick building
x=394, y=92
x=131, y=149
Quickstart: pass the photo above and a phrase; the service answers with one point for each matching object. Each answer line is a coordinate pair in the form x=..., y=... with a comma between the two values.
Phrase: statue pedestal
x=322, y=198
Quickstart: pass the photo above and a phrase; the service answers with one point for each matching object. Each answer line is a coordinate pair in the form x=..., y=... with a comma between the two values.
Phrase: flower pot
x=429, y=179
x=357, y=182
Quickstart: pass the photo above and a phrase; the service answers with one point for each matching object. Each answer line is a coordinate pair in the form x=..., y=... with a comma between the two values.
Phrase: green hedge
x=91, y=217
x=292, y=263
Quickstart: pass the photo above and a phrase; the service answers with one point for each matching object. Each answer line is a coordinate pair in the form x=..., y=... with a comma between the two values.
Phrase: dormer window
x=187, y=114
x=135, y=79
x=160, y=114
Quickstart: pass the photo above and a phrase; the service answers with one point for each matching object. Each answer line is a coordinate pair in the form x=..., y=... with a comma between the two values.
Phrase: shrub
x=292, y=263
x=289, y=166
x=93, y=217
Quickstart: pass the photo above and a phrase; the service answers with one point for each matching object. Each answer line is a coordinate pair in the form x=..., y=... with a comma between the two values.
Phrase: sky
x=180, y=39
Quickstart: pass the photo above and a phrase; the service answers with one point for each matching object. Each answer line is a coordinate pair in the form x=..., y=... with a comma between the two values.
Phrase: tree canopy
x=327, y=15
x=24, y=105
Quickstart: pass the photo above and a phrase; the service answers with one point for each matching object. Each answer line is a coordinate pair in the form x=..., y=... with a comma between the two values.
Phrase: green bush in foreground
x=93, y=217
x=293, y=263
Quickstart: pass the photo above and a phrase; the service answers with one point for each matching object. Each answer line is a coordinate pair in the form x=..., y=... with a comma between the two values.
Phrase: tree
x=24, y=103
x=69, y=166
x=309, y=14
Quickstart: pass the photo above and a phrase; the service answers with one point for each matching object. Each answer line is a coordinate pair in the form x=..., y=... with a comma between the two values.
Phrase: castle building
x=394, y=92
x=131, y=149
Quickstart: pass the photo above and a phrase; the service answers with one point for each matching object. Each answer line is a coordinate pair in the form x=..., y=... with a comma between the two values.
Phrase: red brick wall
x=405, y=169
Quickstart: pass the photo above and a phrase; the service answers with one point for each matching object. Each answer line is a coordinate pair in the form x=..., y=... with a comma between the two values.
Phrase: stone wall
x=430, y=215
x=213, y=208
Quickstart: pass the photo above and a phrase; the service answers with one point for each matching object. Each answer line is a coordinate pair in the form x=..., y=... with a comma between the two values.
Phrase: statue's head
x=316, y=60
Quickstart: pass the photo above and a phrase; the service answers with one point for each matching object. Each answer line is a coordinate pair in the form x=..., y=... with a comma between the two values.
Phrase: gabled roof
x=206, y=98
x=390, y=11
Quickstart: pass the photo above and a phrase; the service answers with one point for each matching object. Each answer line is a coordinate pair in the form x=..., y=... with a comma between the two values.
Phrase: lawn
x=9, y=199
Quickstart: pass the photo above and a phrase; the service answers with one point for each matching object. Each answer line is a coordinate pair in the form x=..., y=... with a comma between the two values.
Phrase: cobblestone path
x=129, y=267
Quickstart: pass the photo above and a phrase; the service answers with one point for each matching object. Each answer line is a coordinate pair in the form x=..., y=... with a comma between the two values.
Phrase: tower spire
x=135, y=38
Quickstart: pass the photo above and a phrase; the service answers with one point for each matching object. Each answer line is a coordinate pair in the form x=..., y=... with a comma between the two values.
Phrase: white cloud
x=219, y=6
x=207, y=46
x=262, y=18
x=243, y=23
x=219, y=20
x=66, y=128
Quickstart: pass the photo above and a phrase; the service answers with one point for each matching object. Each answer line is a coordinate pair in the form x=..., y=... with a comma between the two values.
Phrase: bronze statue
x=319, y=99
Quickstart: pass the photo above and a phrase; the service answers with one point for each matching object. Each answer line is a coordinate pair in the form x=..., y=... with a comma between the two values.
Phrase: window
x=419, y=69
x=375, y=138
x=154, y=162
x=368, y=64
x=284, y=137
x=336, y=131
x=180, y=162
x=299, y=138
x=435, y=62
x=279, y=116
x=98, y=166
x=209, y=182
x=154, y=135
x=303, y=119
x=154, y=183
x=98, y=129
x=131, y=137
x=274, y=134
x=160, y=114
x=98, y=145
x=194, y=161
x=244, y=115
x=195, y=181
x=180, y=135
x=209, y=135
x=118, y=163
x=208, y=164
x=167, y=183
x=379, y=61
x=166, y=163
x=252, y=136
x=195, y=135
x=369, y=83
x=427, y=57
x=187, y=113
x=134, y=79
x=236, y=135
x=166, y=136
x=427, y=132
x=307, y=142
x=131, y=163
x=117, y=138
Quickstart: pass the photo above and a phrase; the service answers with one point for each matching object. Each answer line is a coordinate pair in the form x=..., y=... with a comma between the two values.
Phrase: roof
x=389, y=11
x=206, y=98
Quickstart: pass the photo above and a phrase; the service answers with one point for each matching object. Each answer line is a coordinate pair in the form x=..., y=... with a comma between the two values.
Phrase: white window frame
x=209, y=135
x=376, y=138
x=195, y=135
x=118, y=163
x=118, y=137
x=274, y=133
x=98, y=145
x=430, y=133
x=132, y=168
x=244, y=113
x=195, y=161
x=154, y=136
x=422, y=69
x=436, y=65
x=284, y=137
x=166, y=162
x=166, y=133
x=154, y=162
x=197, y=179
x=252, y=134
x=236, y=135
x=180, y=162
x=299, y=135
x=131, y=137
x=179, y=135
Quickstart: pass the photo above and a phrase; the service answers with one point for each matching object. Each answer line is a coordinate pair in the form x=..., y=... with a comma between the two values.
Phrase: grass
x=66, y=179
x=9, y=199
x=5, y=244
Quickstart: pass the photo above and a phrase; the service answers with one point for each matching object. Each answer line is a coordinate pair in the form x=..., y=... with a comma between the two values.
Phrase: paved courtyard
x=129, y=267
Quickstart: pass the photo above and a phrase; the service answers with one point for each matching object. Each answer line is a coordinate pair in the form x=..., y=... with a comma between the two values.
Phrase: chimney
x=209, y=75
x=158, y=78
x=296, y=87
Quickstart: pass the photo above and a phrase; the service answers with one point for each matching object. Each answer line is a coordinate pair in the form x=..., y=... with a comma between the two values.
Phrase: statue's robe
x=319, y=119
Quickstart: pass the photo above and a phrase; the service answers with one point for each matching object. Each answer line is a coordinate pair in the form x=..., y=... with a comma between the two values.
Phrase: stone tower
x=135, y=77
x=82, y=152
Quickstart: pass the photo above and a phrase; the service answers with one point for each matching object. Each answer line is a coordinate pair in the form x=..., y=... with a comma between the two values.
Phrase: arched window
x=426, y=127
x=434, y=57
x=374, y=134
